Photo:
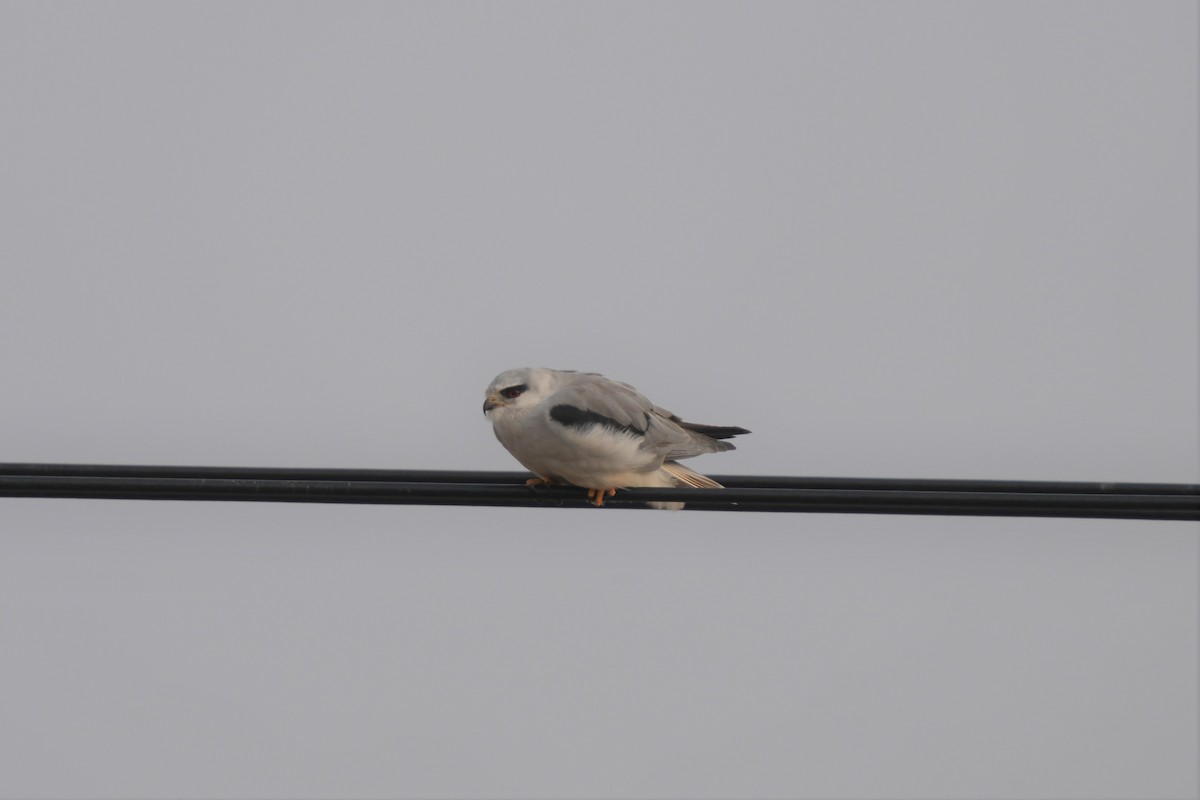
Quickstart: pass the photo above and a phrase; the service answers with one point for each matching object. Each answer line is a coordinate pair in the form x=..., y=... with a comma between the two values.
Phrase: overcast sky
x=901, y=239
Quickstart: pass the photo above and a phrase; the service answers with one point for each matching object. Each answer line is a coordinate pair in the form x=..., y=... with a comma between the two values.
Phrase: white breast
x=595, y=457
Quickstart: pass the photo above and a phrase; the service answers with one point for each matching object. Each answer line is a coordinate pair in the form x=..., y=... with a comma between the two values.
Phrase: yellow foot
x=597, y=495
x=537, y=482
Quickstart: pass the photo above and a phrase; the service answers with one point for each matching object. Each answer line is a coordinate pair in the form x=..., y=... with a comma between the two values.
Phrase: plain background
x=933, y=239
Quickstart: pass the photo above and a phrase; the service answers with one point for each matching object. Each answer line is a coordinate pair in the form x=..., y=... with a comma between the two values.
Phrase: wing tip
x=712, y=431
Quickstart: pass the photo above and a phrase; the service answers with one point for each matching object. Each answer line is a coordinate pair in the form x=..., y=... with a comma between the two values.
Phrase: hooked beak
x=489, y=404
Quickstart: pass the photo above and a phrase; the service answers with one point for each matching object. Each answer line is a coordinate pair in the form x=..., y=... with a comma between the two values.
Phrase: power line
x=1163, y=501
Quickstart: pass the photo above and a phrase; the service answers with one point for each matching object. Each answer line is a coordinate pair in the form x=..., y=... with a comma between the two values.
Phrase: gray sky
x=892, y=239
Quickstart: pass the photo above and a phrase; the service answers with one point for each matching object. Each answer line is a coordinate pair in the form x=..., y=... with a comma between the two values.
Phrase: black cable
x=743, y=493
x=509, y=477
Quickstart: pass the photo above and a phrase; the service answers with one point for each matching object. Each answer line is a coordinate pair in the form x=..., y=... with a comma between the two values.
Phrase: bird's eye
x=512, y=392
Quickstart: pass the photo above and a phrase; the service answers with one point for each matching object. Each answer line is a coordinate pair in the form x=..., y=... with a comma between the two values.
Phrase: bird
x=581, y=428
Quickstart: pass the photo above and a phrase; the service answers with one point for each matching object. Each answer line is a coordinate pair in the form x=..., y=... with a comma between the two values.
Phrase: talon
x=597, y=495
x=537, y=482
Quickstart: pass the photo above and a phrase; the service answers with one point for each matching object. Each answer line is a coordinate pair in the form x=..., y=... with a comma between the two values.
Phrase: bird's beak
x=489, y=404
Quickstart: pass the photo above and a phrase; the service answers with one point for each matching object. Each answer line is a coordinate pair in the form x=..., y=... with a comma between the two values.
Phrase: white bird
x=584, y=429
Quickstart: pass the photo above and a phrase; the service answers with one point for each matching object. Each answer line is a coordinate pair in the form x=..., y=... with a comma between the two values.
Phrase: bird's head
x=518, y=390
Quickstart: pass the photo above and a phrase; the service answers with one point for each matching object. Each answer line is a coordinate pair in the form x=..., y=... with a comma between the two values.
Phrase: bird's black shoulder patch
x=575, y=417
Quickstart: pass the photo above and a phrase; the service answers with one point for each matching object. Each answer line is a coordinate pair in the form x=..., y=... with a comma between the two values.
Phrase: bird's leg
x=538, y=481
x=597, y=495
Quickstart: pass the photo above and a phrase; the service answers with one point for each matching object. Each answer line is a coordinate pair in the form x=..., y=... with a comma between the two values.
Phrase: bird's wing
x=589, y=400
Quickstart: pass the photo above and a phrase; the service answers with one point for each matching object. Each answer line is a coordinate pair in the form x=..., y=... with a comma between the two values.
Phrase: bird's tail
x=676, y=474
x=689, y=477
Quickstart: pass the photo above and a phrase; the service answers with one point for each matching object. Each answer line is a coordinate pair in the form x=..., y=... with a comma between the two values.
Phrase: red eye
x=512, y=392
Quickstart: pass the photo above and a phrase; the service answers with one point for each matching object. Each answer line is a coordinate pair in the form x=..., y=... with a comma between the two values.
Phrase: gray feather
x=665, y=434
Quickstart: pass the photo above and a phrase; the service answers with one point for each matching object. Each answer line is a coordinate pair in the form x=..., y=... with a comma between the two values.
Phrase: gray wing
x=589, y=400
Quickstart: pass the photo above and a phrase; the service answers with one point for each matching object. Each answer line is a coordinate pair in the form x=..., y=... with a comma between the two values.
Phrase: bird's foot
x=597, y=495
x=538, y=482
